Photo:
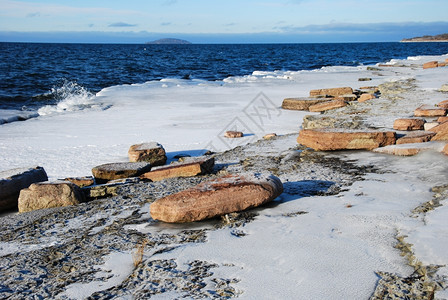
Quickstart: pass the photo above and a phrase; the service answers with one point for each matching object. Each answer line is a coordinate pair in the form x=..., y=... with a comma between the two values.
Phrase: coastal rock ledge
x=217, y=197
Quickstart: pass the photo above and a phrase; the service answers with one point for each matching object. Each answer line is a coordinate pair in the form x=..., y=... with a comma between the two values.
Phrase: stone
x=409, y=124
x=369, y=89
x=444, y=88
x=441, y=64
x=301, y=103
x=113, y=171
x=409, y=149
x=81, y=181
x=49, y=194
x=187, y=168
x=332, y=91
x=109, y=189
x=429, y=125
x=347, y=97
x=365, y=97
x=327, y=105
x=233, y=134
x=442, y=119
x=443, y=104
x=430, y=64
x=231, y=193
x=269, y=136
x=14, y=180
x=430, y=111
x=364, y=79
x=415, y=137
x=441, y=132
x=340, y=139
x=152, y=152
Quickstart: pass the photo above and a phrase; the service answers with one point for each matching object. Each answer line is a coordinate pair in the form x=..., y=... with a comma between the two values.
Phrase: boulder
x=152, y=152
x=340, y=139
x=443, y=104
x=332, y=91
x=12, y=181
x=430, y=111
x=217, y=197
x=365, y=97
x=269, y=136
x=430, y=64
x=233, y=134
x=327, y=105
x=113, y=171
x=416, y=137
x=49, y=194
x=409, y=124
x=410, y=149
x=301, y=103
x=442, y=119
x=441, y=132
x=81, y=181
x=187, y=168
x=441, y=64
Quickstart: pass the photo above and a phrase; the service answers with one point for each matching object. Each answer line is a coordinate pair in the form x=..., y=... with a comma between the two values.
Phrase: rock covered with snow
x=152, y=152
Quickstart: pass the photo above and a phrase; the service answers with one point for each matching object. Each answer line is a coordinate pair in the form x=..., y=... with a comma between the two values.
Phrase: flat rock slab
x=415, y=137
x=430, y=64
x=187, y=168
x=430, y=111
x=302, y=103
x=441, y=132
x=49, y=194
x=341, y=139
x=12, y=181
x=332, y=91
x=81, y=181
x=410, y=149
x=217, y=197
x=409, y=124
x=113, y=171
x=366, y=97
x=327, y=105
x=152, y=152
x=233, y=134
x=443, y=104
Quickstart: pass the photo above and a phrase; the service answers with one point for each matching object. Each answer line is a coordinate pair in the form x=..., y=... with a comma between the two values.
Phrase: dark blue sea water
x=33, y=75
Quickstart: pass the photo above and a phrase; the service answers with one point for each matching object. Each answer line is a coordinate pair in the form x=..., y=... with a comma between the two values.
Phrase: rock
x=12, y=181
x=441, y=131
x=49, y=194
x=430, y=111
x=431, y=64
x=365, y=79
x=441, y=64
x=409, y=124
x=301, y=103
x=416, y=137
x=217, y=197
x=187, y=168
x=327, y=105
x=81, y=181
x=113, y=171
x=443, y=104
x=444, y=88
x=347, y=97
x=269, y=136
x=429, y=125
x=332, y=91
x=365, y=97
x=409, y=149
x=233, y=134
x=369, y=89
x=442, y=119
x=109, y=189
x=152, y=152
x=340, y=139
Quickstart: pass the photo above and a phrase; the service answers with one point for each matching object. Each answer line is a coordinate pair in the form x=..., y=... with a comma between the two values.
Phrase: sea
x=34, y=75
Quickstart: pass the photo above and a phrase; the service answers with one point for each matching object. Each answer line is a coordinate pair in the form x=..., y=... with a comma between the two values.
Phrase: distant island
x=427, y=38
x=170, y=42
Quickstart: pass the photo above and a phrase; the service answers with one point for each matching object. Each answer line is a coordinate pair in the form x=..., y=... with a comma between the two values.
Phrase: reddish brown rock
x=340, y=139
x=187, y=168
x=81, y=181
x=431, y=64
x=441, y=64
x=442, y=119
x=327, y=105
x=217, y=197
x=441, y=132
x=113, y=171
x=301, y=103
x=48, y=195
x=430, y=111
x=347, y=97
x=416, y=137
x=332, y=91
x=443, y=104
x=366, y=97
x=233, y=134
x=409, y=124
x=152, y=152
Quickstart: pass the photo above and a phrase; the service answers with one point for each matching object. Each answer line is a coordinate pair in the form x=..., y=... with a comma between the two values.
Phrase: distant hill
x=170, y=42
x=428, y=38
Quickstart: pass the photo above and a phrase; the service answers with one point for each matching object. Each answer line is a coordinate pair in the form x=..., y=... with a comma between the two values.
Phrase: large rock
x=443, y=104
x=416, y=137
x=430, y=64
x=217, y=197
x=366, y=97
x=12, y=181
x=301, y=103
x=340, y=139
x=441, y=132
x=327, y=105
x=49, y=194
x=113, y=171
x=332, y=91
x=152, y=152
x=187, y=168
x=430, y=111
x=409, y=124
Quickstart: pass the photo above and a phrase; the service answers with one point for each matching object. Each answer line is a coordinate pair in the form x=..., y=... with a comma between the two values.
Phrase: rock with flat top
x=341, y=139
x=332, y=91
x=217, y=197
x=443, y=104
x=233, y=134
x=269, y=136
x=327, y=105
x=366, y=97
x=81, y=181
x=187, y=168
x=152, y=152
x=49, y=194
x=441, y=132
x=430, y=64
x=113, y=171
x=301, y=103
x=409, y=124
x=442, y=119
x=415, y=137
x=429, y=125
x=430, y=111
x=12, y=181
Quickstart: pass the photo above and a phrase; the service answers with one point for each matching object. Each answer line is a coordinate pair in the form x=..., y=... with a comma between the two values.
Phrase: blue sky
x=201, y=21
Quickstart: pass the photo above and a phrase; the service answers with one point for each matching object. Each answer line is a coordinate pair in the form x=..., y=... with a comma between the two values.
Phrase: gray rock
x=113, y=171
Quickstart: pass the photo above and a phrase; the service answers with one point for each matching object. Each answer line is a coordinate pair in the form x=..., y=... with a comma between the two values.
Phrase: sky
x=219, y=21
